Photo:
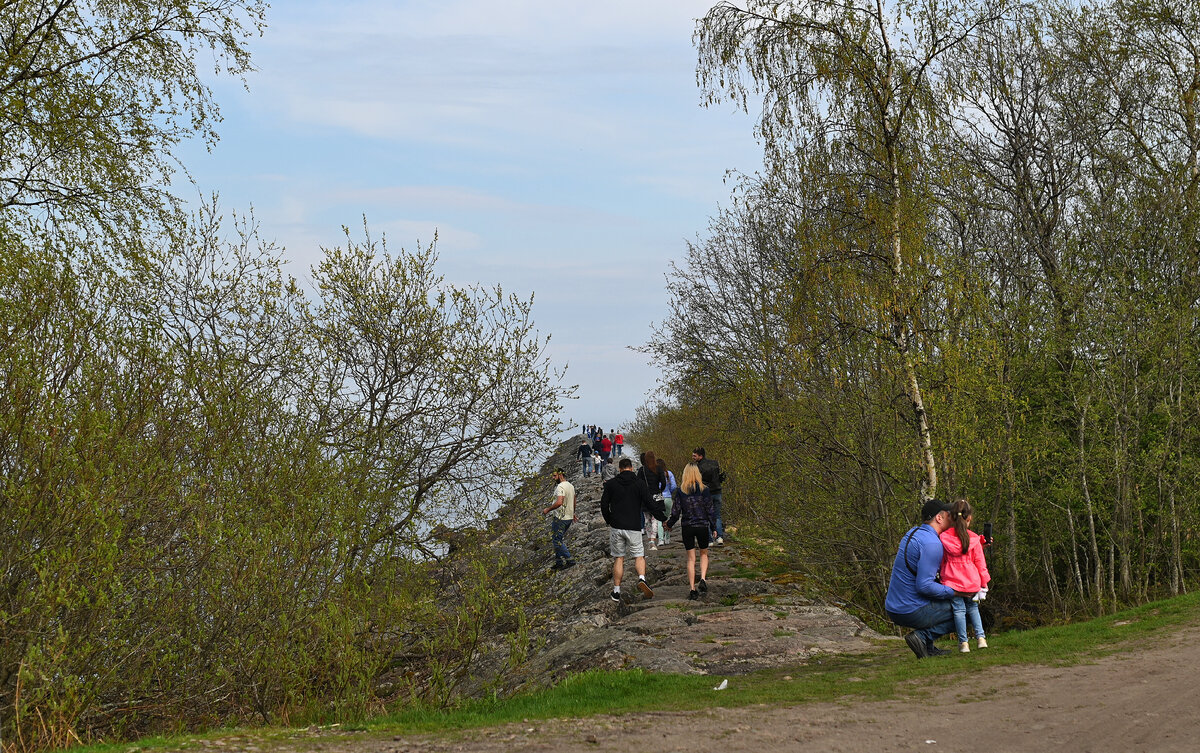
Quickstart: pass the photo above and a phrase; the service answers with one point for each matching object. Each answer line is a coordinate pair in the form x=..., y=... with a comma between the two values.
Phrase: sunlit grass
x=889, y=672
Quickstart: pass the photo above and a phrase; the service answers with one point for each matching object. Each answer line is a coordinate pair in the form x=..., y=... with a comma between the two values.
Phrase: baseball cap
x=932, y=507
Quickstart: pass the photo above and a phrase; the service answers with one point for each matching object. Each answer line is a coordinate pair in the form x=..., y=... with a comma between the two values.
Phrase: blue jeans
x=716, y=498
x=964, y=608
x=931, y=621
x=618, y=450
x=587, y=465
x=558, y=532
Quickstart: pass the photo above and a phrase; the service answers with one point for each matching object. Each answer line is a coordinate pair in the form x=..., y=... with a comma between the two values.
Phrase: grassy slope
x=887, y=673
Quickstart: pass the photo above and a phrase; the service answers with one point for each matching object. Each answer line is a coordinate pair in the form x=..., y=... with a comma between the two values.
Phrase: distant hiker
x=621, y=504
x=655, y=483
x=607, y=470
x=563, y=514
x=664, y=536
x=965, y=570
x=597, y=445
x=619, y=444
x=710, y=471
x=694, y=503
x=914, y=597
x=605, y=447
x=585, y=455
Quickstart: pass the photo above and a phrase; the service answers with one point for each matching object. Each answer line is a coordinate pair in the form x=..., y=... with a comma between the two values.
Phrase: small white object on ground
x=724, y=684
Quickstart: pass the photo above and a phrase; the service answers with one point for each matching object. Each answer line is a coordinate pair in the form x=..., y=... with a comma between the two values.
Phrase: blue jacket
x=914, y=573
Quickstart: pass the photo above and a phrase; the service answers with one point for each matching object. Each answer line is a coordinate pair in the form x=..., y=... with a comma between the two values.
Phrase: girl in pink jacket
x=965, y=570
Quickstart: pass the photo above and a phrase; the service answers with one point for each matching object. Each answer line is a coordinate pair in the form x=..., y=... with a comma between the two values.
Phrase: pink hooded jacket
x=968, y=572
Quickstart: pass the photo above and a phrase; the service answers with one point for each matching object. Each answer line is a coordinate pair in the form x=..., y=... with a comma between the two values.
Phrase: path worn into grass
x=1141, y=700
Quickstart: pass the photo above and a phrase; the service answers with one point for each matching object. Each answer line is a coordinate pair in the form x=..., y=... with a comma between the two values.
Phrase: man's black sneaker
x=615, y=596
x=693, y=595
x=703, y=586
x=917, y=644
x=568, y=563
x=935, y=651
x=644, y=587
x=557, y=566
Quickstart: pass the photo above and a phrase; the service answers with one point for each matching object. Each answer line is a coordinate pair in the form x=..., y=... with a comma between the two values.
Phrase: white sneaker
x=720, y=541
x=982, y=642
x=653, y=547
x=964, y=648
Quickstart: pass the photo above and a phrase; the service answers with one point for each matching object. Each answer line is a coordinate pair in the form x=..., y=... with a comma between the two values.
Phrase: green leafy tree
x=94, y=96
x=861, y=79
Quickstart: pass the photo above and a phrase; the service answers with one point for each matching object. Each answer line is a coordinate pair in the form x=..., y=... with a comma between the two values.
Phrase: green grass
x=890, y=672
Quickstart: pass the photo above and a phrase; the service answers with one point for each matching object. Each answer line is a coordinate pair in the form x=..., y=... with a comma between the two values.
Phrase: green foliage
x=94, y=95
x=984, y=201
x=217, y=495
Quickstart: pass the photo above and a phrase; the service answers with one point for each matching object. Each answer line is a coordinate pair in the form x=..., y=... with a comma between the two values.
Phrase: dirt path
x=1142, y=700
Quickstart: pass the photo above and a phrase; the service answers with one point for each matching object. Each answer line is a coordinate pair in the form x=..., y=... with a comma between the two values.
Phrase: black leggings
x=693, y=535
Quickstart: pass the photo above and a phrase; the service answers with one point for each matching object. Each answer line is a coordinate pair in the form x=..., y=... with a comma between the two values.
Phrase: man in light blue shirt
x=915, y=598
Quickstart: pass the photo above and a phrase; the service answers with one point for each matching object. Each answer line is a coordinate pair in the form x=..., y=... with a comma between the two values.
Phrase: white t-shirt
x=566, y=511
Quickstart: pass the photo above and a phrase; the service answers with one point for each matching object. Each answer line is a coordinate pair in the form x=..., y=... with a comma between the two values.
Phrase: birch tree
x=861, y=76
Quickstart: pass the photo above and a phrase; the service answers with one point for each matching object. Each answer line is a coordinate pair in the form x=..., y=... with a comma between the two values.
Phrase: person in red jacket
x=965, y=570
x=606, y=446
x=619, y=445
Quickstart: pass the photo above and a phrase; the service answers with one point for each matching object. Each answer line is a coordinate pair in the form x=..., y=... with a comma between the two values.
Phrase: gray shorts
x=622, y=543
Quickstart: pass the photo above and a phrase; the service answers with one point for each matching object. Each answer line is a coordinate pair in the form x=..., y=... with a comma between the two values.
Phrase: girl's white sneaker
x=982, y=642
x=964, y=647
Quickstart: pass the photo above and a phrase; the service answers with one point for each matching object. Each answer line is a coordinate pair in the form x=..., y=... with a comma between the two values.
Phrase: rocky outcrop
x=741, y=624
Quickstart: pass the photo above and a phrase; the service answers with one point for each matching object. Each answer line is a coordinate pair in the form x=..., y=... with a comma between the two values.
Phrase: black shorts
x=695, y=535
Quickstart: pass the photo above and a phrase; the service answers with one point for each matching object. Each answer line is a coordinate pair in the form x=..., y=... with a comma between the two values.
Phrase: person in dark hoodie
x=621, y=504
x=585, y=455
x=655, y=483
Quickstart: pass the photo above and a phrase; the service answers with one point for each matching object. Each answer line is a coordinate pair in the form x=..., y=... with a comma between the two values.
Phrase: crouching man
x=915, y=599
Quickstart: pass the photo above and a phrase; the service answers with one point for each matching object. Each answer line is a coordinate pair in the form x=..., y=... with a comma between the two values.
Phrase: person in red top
x=965, y=570
x=619, y=444
x=606, y=446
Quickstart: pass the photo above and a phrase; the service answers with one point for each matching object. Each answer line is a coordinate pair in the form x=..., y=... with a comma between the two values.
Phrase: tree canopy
x=976, y=228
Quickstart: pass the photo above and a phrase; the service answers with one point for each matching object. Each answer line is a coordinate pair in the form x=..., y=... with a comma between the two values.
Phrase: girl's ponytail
x=959, y=512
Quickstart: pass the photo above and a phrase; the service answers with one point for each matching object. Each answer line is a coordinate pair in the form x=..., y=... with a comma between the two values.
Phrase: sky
x=556, y=147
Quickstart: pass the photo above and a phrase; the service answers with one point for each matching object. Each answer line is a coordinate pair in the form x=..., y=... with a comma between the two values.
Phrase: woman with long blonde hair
x=694, y=503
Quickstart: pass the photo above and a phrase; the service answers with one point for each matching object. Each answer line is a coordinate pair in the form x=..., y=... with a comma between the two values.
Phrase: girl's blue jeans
x=964, y=608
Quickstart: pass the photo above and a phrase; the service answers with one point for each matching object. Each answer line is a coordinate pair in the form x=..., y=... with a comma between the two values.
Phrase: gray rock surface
x=742, y=624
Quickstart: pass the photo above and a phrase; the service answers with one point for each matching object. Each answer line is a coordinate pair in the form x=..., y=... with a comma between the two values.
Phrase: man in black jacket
x=621, y=504
x=710, y=473
x=585, y=455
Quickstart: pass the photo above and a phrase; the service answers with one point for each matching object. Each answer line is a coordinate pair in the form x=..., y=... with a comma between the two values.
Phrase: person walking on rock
x=655, y=483
x=563, y=512
x=605, y=447
x=710, y=471
x=607, y=471
x=915, y=599
x=694, y=503
x=664, y=536
x=619, y=444
x=585, y=455
x=621, y=504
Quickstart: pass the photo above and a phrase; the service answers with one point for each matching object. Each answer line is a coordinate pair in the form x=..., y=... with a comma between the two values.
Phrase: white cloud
x=464, y=71
x=556, y=147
